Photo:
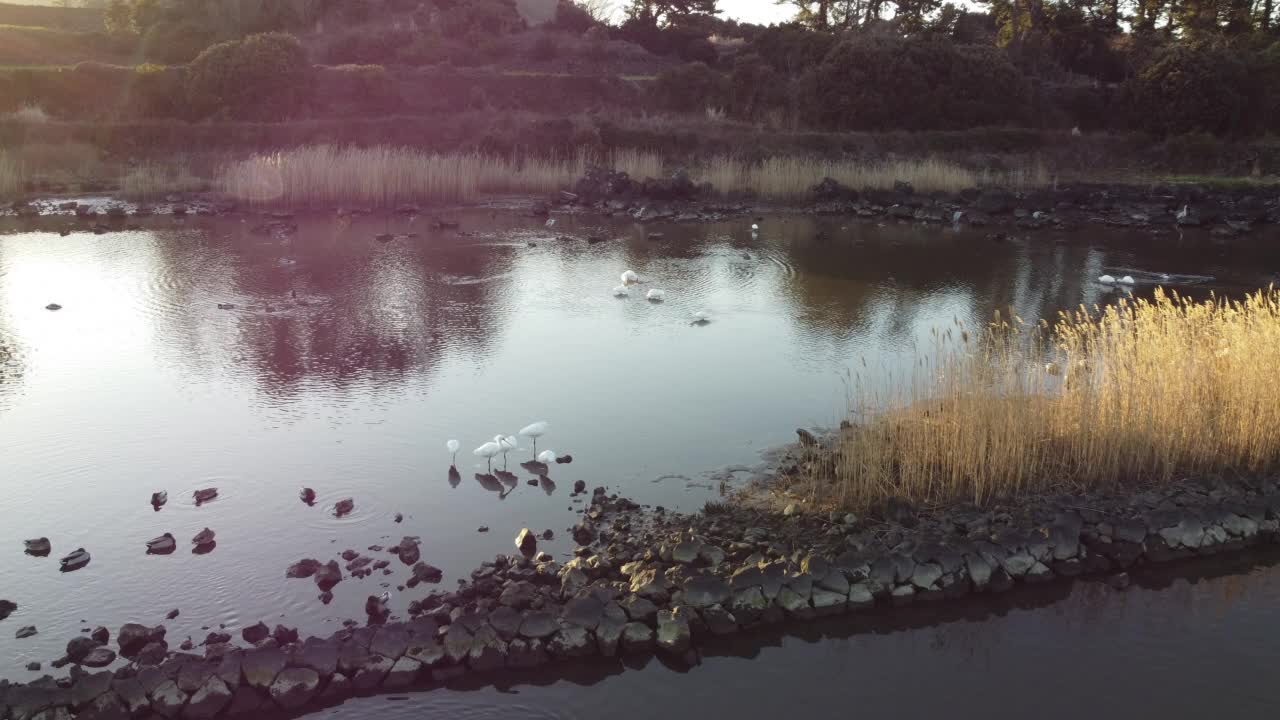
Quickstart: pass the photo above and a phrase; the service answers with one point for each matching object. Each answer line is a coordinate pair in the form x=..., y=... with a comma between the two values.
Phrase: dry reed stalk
x=10, y=174
x=151, y=182
x=1144, y=391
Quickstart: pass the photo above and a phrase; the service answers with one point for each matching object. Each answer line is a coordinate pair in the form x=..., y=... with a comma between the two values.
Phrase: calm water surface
x=141, y=383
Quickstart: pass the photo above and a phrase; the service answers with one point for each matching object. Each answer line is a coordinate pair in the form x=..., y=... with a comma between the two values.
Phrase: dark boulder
x=255, y=634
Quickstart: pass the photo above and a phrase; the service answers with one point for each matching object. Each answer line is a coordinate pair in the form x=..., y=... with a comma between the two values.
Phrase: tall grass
x=1144, y=391
x=151, y=182
x=386, y=176
x=10, y=174
x=792, y=177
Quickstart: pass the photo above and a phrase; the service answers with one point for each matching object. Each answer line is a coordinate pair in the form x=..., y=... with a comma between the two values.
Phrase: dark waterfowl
x=39, y=547
x=204, y=537
x=162, y=545
x=75, y=560
x=344, y=507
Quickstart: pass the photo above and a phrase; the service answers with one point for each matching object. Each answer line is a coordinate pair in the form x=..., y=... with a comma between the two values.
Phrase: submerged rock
x=328, y=575
x=25, y=632
x=303, y=569
x=6, y=608
x=133, y=637
x=255, y=634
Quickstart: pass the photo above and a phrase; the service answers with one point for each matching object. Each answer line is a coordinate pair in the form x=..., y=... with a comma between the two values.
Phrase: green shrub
x=481, y=19
x=1191, y=90
x=544, y=48
x=158, y=91
x=690, y=88
x=755, y=87
x=171, y=43
x=572, y=17
x=366, y=87
x=262, y=77
x=886, y=83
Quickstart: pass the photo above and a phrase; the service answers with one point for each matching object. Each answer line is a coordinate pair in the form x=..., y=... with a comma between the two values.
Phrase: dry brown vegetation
x=385, y=176
x=10, y=174
x=151, y=182
x=1144, y=391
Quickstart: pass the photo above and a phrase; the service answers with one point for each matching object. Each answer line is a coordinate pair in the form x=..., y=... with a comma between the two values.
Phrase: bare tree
x=602, y=11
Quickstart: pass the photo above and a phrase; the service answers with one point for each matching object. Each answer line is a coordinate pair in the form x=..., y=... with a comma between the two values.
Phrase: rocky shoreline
x=1158, y=210
x=649, y=582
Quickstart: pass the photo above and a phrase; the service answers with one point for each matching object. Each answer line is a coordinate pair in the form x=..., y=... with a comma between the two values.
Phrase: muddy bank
x=650, y=582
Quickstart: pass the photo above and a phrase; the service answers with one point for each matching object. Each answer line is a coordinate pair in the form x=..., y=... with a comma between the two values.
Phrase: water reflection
x=344, y=364
x=1181, y=642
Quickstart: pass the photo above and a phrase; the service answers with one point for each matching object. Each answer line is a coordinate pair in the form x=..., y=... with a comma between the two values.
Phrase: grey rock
x=1018, y=564
x=522, y=653
x=903, y=595
x=639, y=609
x=106, y=706
x=795, y=605
x=711, y=555
x=1188, y=533
x=167, y=700
x=372, y=673
x=1131, y=531
x=255, y=634
x=506, y=621
x=133, y=637
x=705, y=591
x=153, y=653
x=131, y=693
x=1065, y=542
x=1241, y=527
x=637, y=638
x=488, y=651
x=720, y=621
x=518, y=595
x=826, y=603
x=457, y=643
x=860, y=597
x=78, y=647
x=883, y=572
x=583, y=612
x=746, y=577
x=245, y=702
x=651, y=584
x=903, y=568
x=926, y=576
x=403, y=674
x=686, y=553
x=295, y=687
x=338, y=688
x=260, y=667
x=539, y=625
x=527, y=542
x=1039, y=572
x=572, y=580
x=674, y=634
x=208, y=700
x=390, y=641
x=608, y=635
x=834, y=581
x=571, y=641
x=319, y=655
x=194, y=674
x=98, y=657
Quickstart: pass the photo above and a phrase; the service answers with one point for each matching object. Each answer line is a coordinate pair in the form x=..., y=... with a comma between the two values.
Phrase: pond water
x=347, y=363
x=1169, y=647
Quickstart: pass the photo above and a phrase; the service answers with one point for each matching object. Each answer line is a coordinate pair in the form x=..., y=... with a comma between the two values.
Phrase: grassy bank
x=1143, y=391
x=385, y=176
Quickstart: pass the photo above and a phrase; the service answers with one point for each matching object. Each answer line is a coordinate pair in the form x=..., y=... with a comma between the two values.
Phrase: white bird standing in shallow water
x=506, y=443
x=655, y=295
x=1127, y=280
x=452, y=446
x=621, y=291
x=488, y=451
x=1107, y=280
x=534, y=431
x=630, y=278
x=551, y=223
x=702, y=317
x=547, y=457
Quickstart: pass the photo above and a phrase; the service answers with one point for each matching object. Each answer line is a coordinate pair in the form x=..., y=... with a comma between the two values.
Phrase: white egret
x=547, y=457
x=702, y=317
x=506, y=443
x=1107, y=280
x=488, y=451
x=551, y=223
x=452, y=447
x=1127, y=280
x=630, y=277
x=621, y=291
x=534, y=431
x=655, y=295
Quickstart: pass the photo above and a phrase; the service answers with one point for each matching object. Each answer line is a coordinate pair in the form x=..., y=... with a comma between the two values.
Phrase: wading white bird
x=506, y=443
x=702, y=317
x=655, y=295
x=630, y=278
x=1107, y=280
x=488, y=451
x=1127, y=280
x=547, y=457
x=754, y=228
x=621, y=291
x=452, y=447
x=533, y=431
x=551, y=223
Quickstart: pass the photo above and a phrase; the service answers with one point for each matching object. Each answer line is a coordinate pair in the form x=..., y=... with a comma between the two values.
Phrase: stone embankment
x=651, y=582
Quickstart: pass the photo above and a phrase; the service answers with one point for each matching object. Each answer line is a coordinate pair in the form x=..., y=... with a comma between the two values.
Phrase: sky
x=756, y=11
